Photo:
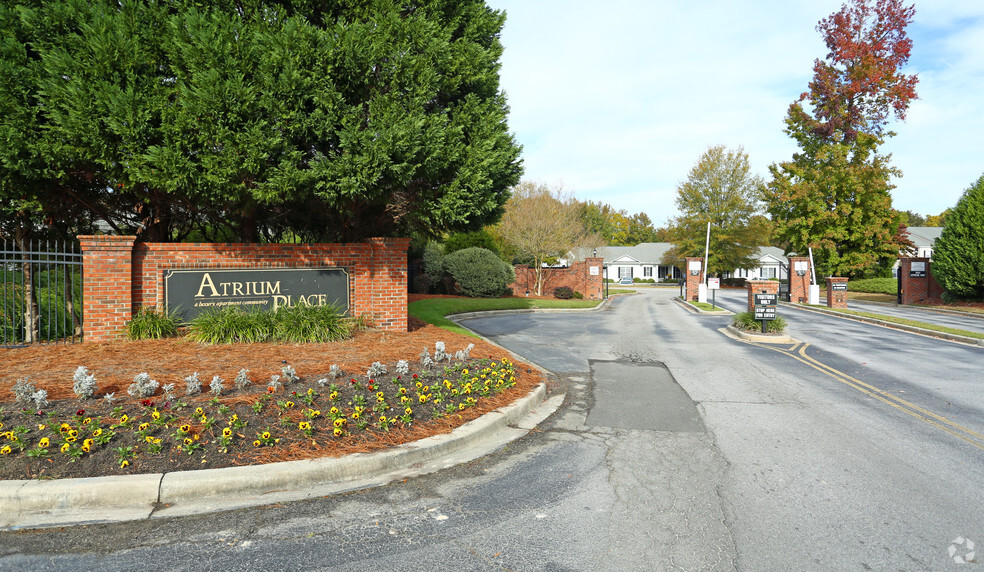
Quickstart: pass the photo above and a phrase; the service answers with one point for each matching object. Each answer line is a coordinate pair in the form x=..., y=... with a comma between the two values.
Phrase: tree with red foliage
x=835, y=195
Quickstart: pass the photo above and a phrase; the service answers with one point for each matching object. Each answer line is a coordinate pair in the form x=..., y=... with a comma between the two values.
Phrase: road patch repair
x=645, y=396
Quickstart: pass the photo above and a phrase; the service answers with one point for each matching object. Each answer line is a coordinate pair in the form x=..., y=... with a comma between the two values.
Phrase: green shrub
x=746, y=322
x=578, y=295
x=874, y=285
x=463, y=240
x=958, y=255
x=152, y=323
x=479, y=272
x=563, y=292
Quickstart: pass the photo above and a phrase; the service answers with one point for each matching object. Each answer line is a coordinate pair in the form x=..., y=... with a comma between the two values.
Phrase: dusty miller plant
x=193, y=385
x=23, y=391
x=242, y=380
x=142, y=386
x=425, y=359
x=215, y=387
x=288, y=374
x=40, y=398
x=274, y=384
x=110, y=397
x=168, y=389
x=334, y=371
x=439, y=354
x=463, y=355
x=402, y=367
x=85, y=383
x=375, y=370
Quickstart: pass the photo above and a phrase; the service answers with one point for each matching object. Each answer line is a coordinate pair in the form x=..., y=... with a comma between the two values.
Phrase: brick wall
x=760, y=287
x=836, y=298
x=693, y=280
x=919, y=289
x=577, y=277
x=121, y=276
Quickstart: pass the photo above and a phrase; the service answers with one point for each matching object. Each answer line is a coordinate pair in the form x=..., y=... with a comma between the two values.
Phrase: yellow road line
x=963, y=433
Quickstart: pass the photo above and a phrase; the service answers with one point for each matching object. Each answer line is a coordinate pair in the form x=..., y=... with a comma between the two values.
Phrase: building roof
x=651, y=253
x=924, y=236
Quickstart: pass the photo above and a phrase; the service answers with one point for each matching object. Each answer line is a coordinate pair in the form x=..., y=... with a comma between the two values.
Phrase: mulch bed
x=51, y=368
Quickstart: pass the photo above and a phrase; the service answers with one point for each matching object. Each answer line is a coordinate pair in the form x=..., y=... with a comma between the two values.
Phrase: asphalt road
x=677, y=448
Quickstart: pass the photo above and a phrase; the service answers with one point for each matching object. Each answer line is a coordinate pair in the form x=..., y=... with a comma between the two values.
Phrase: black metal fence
x=40, y=293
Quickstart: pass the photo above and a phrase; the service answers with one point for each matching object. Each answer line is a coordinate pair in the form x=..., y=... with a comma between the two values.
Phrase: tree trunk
x=32, y=316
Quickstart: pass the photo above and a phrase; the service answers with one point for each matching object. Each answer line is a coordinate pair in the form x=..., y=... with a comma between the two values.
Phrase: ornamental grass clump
x=152, y=323
x=746, y=322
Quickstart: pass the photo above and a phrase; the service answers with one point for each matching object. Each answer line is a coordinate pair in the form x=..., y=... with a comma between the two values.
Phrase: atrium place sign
x=189, y=292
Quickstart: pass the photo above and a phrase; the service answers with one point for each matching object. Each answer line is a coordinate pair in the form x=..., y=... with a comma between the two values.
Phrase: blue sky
x=616, y=101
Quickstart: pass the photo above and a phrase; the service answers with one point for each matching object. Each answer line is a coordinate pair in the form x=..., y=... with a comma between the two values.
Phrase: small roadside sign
x=766, y=300
x=713, y=283
x=765, y=313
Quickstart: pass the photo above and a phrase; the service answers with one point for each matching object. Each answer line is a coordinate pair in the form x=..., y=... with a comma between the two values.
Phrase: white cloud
x=618, y=100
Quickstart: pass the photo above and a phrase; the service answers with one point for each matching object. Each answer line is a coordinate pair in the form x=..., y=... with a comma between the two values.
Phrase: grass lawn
x=706, y=307
x=912, y=323
x=434, y=310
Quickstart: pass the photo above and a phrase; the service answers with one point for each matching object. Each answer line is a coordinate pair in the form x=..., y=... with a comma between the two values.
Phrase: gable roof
x=924, y=236
x=651, y=253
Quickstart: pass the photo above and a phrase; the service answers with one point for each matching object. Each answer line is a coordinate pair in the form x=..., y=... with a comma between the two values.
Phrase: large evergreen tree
x=958, y=255
x=259, y=120
x=835, y=194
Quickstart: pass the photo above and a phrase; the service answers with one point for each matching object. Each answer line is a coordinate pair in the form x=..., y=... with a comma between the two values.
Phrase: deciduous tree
x=541, y=223
x=722, y=191
x=835, y=194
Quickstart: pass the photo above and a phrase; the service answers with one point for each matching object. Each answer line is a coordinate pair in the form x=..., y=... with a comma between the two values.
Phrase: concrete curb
x=893, y=325
x=490, y=313
x=695, y=310
x=734, y=332
x=39, y=504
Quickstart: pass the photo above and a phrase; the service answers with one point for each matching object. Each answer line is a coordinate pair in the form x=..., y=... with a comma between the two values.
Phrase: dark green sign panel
x=189, y=292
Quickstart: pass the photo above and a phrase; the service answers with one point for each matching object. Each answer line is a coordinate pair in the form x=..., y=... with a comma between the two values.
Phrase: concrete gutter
x=888, y=324
x=39, y=504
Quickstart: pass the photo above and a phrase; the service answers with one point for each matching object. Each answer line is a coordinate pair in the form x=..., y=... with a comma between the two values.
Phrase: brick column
x=918, y=284
x=107, y=294
x=799, y=285
x=388, y=282
x=760, y=287
x=594, y=278
x=836, y=298
x=693, y=280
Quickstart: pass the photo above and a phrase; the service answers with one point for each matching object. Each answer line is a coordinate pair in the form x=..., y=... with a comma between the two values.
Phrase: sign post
x=765, y=308
x=713, y=284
